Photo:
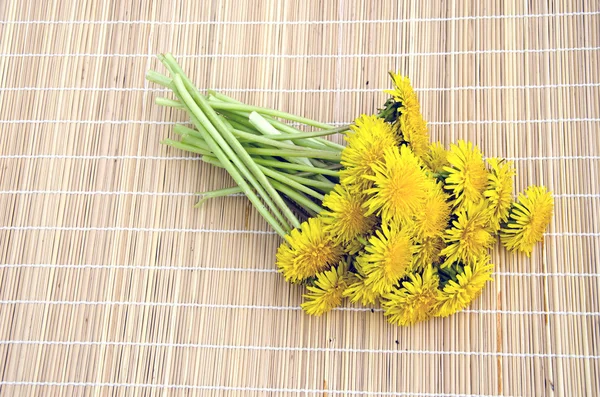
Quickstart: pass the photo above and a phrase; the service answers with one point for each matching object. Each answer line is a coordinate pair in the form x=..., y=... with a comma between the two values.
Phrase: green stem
x=292, y=130
x=218, y=193
x=263, y=126
x=314, y=143
x=168, y=103
x=223, y=97
x=219, y=149
x=271, y=197
x=224, y=137
x=186, y=147
x=183, y=130
x=239, y=118
x=308, y=134
x=291, y=183
x=159, y=79
x=296, y=196
x=297, y=167
x=195, y=141
x=240, y=126
x=270, y=112
x=319, y=154
x=262, y=139
x=299, y=198
x=325, y=187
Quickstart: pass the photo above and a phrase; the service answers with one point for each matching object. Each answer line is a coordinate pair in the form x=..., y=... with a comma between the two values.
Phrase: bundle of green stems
x=284, y=170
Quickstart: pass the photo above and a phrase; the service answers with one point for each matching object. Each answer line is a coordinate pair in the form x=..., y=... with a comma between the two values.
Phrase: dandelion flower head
x=469, y=237
x=436, y=158
x=432, y=218
x=326, y=293
x=388, y=257
x=369, y=139
x=358, y=291
x=307, y=251
x=499, y=191
x=467, y=177
x=415, y=300
x=345, y=217
x=528, y=220
x=459, y=293
x=400, y=185
x=410, y=122
x=427, y=252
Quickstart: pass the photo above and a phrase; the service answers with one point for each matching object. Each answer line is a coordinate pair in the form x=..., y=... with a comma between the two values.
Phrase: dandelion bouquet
x=388, y=219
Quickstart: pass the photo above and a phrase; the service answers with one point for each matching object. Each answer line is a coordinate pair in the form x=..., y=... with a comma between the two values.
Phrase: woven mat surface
x=111, y=283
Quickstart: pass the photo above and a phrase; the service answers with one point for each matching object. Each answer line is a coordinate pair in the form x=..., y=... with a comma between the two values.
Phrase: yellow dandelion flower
x=358, y=291
x=400, y=185
x=499, y=191
x=410, y=123
x=403, y=92
x=427, y=252
x=307, y=251
x=345, y=217
x=467, y=176
x=457, y=295
x=387, y=257
x=367, y=142
x=436, y=158
x=415, y=301
x=432, y=218
x=528, y=220
x=326, y=293
x=414, y=130
x=468, y=238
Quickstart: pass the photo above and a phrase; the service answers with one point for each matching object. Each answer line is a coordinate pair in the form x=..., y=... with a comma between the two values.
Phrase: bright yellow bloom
x=468, y=238
x=307, y=251
x=411, y=123
x=326, y=293
x=403, y=92
x=499, y=191
x=467, y=176
x=367, y=142
x=400, y=185
x=345, y=217
x=432, y=218
x=387, y=257
x=415, y=301
x=436, y=158
x=414, y=130
x=457, y=295
x=357, y=290
x=427, y=252
x=528, y=220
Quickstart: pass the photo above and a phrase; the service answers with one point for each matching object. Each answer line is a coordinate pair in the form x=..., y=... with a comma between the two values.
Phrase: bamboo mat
x=112, y=284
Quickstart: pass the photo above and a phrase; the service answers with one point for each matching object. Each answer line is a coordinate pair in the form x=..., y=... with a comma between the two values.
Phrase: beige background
x=112, y=284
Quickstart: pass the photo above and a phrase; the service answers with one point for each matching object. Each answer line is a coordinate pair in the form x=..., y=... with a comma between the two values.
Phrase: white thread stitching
x=118, y=193
x=197, y=158
x=224, y=231
x=430, y=123
x=135, y=229
x=243, y=270
x=316, y=56
x=296, y=349
x=349, y=22
x=277, y=308
x=234, y=388
x=306, y=90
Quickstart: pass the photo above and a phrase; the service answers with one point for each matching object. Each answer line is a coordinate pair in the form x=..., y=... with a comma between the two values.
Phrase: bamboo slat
x=111, y=283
